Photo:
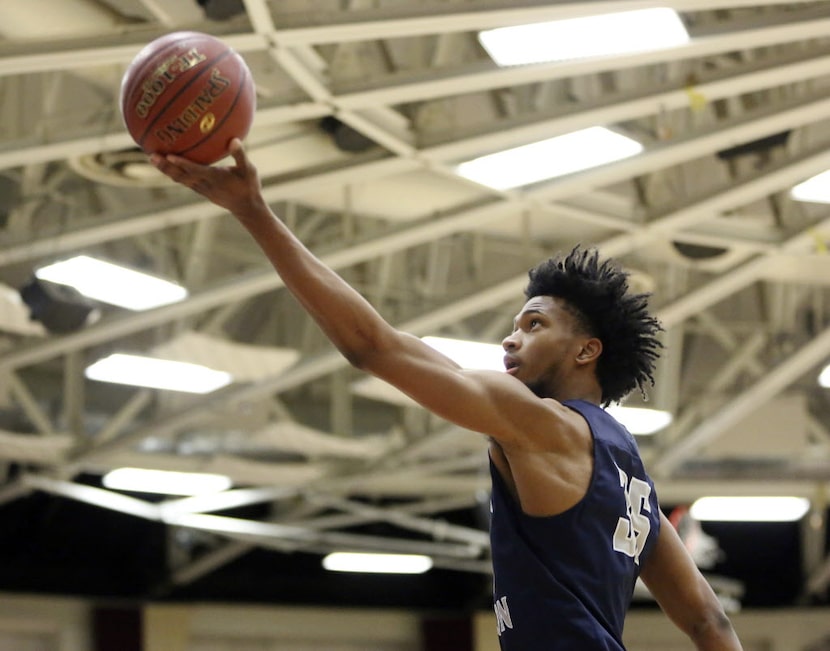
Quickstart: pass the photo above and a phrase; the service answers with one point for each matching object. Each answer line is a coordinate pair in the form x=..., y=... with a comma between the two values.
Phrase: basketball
x=189, y=94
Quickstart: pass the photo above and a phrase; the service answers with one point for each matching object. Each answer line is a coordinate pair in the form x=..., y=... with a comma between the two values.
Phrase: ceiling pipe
x=772, y=31
x=672, y=153
x=250, y=530
x=410, y=21
x=55, y=244
x=753, y=188
x=226, y=553
x=115, y=52
x=611, y=110
x=263, y=533
x=757, y=187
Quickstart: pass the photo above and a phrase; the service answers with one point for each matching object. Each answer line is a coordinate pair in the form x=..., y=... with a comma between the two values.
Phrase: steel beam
x=738, y=408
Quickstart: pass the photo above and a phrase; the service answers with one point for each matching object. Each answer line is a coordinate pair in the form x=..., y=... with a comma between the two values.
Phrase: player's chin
x=536, y=387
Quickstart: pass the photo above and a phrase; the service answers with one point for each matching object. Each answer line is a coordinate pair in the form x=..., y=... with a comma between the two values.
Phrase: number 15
x=633, y=528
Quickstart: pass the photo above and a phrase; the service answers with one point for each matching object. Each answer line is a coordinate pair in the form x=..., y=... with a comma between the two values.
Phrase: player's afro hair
x=597, y=294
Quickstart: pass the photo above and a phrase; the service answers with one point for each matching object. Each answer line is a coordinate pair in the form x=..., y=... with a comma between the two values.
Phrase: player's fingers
x=165, y=166
x=181, y=169
x=157, y=160
x=236, y=150
x=185, y=164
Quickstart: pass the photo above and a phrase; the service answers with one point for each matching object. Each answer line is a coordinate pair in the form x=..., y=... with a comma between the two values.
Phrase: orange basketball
x=190, y=94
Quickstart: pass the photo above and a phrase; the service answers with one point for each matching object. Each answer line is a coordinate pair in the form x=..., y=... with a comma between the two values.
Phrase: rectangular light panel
x=640, y=420
x=113, y=284
x=815, y=189
x=550, y=158
x=135, y=370
x=469, y=354
x=165, y=482
x=750, y=509
x=617, y=33
x=377, y=563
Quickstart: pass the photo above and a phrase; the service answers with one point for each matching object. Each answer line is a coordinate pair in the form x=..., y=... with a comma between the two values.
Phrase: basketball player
x=575, y=518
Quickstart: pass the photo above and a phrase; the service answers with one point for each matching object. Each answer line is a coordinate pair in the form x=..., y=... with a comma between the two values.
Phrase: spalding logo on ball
x=190, y=94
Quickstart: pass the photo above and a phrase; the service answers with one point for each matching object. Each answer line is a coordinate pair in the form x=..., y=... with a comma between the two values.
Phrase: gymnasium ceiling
x=364, y=109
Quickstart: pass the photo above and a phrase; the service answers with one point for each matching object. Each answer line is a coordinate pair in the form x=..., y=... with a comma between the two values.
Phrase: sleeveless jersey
x=565, y=582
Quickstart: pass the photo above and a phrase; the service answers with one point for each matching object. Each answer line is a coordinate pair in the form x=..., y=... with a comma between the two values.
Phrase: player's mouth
x=511, y=365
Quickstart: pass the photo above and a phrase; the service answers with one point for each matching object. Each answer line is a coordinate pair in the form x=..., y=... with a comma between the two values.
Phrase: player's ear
x=590, y=351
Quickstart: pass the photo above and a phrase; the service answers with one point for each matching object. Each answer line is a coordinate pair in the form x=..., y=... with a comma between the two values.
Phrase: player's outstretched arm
x=348, y=320
x=684, y=594
x=489, y=402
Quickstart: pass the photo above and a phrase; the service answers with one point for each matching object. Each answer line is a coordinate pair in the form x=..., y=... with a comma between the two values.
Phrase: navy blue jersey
x=565, y=582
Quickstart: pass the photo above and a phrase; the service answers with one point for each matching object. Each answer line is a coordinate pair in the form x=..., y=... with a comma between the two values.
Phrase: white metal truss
x=440, y=255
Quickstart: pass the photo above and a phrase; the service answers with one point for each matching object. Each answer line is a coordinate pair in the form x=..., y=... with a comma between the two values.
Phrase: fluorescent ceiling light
x=469, y=354
x=824, y=377
x=377, y=563
x=639, y=420
x=165, y=481
x=815, y=189
x=134, y=370
x=750, y=509
x=588, y=36
x=113, y=284
x=547, y=159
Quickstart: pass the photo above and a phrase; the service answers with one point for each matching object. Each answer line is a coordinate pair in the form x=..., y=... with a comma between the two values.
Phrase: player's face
x=540, y=350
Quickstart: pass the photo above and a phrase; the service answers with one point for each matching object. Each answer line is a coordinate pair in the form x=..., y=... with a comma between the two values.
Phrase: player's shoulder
x=555, y=428
x=578, y=414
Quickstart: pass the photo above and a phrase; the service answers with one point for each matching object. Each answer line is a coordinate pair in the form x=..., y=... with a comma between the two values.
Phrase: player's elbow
x=357, y=358
x=711, y=628
x=365, y=350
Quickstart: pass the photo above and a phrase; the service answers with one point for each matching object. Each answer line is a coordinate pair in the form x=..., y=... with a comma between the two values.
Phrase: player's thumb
x=236, y=150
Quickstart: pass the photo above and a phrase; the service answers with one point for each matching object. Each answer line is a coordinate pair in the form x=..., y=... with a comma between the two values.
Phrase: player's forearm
x=352, y=324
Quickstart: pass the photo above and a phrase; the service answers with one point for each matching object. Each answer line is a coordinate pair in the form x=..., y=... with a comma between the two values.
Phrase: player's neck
x=586, y=389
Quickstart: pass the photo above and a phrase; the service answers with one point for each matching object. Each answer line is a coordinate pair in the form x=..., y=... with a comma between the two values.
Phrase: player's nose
x=510, y=342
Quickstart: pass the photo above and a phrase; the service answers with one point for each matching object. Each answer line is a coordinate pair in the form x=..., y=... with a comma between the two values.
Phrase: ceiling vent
x=124, y=168
x=713, y=259
x=698, y=251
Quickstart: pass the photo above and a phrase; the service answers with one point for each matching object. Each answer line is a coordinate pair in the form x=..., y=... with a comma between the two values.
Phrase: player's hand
x=235, y=187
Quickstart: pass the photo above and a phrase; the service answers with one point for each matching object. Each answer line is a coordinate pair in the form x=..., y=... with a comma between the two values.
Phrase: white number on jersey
x=633, y=529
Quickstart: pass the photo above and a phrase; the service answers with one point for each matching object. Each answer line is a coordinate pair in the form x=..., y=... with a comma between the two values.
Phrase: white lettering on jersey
x=633, y=528
x=503, y=620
